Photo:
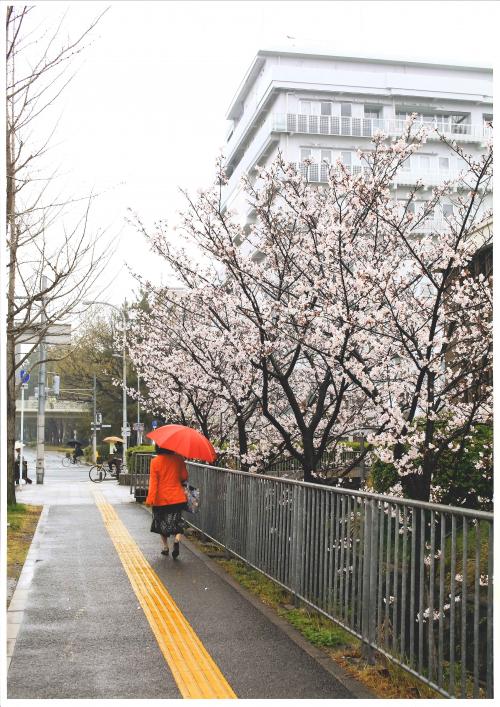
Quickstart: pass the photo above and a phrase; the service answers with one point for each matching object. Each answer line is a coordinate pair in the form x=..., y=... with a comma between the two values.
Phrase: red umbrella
x=185, y=441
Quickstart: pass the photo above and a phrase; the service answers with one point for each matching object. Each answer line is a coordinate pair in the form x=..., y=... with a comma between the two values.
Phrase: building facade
x=323, y=108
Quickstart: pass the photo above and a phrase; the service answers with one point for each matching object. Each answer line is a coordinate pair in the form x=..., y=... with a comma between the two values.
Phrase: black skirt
x=167, y=520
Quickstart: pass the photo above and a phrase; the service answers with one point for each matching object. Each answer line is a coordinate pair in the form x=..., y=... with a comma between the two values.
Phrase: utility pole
x=40, y=432
x=139, y=431
x=124, y=408
x=94, y=428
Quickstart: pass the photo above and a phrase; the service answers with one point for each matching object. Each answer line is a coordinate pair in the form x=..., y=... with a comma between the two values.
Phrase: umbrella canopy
x=113, y=439
x=73, y=443
x=185, y=441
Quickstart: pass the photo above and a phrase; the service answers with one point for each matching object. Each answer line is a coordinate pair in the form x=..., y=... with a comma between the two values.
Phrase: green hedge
x=140, y=449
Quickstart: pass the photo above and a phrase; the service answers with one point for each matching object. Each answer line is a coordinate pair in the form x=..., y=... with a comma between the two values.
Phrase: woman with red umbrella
x=167, y=496
x=168, y=474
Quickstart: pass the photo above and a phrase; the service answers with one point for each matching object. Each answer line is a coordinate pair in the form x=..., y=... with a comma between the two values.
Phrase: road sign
x=138, y=426
x=154, y=424
x=105, y=425
x=24, y=376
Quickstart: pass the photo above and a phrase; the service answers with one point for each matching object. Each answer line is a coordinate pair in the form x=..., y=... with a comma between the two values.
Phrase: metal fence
x=412, y=580
x=139, y=474
x=330, y=463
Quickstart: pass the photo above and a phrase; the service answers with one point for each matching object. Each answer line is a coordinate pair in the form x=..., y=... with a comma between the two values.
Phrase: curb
x=19, y=601
x=357, y=690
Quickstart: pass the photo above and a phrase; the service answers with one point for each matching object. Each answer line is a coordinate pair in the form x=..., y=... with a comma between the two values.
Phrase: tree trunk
x=11, y=346
x=310, y=461
x=242, y=439
x=417, y=487
x=11, y=419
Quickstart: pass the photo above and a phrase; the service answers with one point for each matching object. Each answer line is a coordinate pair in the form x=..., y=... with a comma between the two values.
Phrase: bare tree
x=53, y=258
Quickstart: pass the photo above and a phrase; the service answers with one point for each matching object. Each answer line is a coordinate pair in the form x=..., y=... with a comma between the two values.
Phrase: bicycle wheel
x=97, y=473
x=66, y=461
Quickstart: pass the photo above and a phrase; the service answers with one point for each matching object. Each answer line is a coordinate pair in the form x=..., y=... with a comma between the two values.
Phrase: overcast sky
x=145, y=114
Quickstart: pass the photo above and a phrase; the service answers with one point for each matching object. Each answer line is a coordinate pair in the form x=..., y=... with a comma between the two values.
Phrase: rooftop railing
x=368, y=127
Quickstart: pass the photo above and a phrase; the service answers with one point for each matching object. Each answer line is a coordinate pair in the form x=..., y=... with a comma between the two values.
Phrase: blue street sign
x=24, y=376
x=154, y=424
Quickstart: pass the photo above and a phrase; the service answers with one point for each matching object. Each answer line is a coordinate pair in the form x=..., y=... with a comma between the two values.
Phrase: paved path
x=99, y=613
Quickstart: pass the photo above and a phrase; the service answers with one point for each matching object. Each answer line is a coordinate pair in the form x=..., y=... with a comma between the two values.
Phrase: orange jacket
x=166, y=474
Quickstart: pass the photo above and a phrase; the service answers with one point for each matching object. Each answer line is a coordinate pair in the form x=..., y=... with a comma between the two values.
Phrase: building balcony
x=368, y=127
x=318, y=172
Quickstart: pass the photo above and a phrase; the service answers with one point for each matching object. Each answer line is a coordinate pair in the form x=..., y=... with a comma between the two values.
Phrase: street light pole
x=139, y=431
x=124, y=424
x=40, y=431
x=94, y=430
x=122, y=313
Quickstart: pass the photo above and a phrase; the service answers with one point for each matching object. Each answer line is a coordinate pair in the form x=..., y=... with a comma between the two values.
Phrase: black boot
x=175, y=551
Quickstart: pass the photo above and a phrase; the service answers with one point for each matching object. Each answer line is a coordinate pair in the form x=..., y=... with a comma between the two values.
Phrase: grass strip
x=22, y=519
x=384, y=679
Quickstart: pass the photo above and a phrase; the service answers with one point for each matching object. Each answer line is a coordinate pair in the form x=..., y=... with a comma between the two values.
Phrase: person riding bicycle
x=77, y=452
x=116, y=459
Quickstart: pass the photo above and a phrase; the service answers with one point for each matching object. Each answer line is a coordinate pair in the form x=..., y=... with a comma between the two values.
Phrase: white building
x=322, y=107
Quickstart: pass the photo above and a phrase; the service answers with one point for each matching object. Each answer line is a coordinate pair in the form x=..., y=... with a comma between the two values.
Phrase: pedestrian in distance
x=17, y=467
x=167, y=496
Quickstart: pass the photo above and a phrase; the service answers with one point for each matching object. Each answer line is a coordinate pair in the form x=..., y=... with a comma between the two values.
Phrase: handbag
x=192, y=499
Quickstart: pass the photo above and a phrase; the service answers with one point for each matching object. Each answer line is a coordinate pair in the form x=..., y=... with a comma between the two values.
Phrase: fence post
x=374, y=560
x=297, y=542
x=368, y=600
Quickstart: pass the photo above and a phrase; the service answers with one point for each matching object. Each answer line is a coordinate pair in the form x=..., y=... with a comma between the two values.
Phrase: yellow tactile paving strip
x=194, y=671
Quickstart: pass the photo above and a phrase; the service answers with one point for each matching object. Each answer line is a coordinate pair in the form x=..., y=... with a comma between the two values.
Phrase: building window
x=372, y=113
x=447, y=210
x=444, y=164
x=346, y=158
x=305, y=154
x=424, y=162
x=326, y=108
x=326, y=156
x=345, y=110
x=305, y=107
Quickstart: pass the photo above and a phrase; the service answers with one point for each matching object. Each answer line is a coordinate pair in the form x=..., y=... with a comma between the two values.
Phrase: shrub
x=455, y=482
x=139, y=449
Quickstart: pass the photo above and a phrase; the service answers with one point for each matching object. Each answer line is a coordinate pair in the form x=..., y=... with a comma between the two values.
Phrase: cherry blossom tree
x=338, y=309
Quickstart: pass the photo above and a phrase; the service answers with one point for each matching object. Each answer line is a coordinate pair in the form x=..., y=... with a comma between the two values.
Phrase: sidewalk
x=103, y=615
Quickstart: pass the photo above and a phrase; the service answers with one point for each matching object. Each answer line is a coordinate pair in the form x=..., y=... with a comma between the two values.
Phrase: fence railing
x=412, y=580
x=331, y=462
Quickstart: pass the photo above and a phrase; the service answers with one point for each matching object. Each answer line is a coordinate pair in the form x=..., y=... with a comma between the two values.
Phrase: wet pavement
x=79, y=629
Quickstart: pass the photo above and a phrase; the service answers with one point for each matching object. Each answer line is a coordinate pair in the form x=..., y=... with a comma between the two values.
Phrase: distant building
x=321, y=107
x=62, y=417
